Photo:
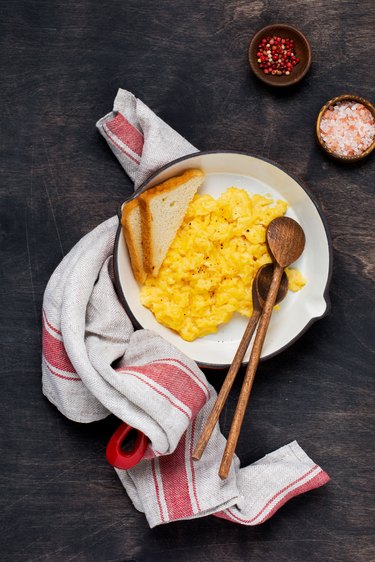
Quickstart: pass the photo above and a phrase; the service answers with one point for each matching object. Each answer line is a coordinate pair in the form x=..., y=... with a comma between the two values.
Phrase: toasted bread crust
x=135, y=258
x=170, y=184
x=143, y=262
x=146, y=222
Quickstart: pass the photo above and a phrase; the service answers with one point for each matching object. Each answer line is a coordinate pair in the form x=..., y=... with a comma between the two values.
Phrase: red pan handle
x=119, y=458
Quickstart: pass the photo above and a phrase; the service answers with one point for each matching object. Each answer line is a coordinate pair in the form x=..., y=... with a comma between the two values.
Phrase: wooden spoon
x=260, y=288
x=286, y=241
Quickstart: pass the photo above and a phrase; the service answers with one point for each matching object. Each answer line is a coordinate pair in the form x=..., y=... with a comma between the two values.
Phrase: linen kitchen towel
x=94, y=364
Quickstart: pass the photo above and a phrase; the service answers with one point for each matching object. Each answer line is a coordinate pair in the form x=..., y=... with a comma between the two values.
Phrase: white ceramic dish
x=297, y=311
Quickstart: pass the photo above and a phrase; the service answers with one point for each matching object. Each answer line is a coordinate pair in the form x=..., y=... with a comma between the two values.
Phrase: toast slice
x=131, y=222
x=162, y=211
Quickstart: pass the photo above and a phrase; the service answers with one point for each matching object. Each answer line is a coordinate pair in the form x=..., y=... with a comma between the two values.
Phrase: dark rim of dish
x=144, y=187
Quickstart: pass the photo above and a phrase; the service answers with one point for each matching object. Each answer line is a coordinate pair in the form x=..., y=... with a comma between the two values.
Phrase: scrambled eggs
x=208, y=272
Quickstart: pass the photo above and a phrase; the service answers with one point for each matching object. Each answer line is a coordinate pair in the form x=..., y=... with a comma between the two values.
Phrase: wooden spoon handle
x=227, y=385
x=250, y=373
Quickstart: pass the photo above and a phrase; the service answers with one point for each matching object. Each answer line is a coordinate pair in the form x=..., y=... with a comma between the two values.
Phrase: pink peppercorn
x=276, y=55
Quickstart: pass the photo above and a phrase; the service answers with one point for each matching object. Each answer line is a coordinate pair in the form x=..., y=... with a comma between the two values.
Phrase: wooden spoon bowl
x=286, y=241
x=262, y=284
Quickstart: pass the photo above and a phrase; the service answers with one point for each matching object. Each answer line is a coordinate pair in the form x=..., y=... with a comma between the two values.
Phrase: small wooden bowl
x=322, y=144
x=302, y=50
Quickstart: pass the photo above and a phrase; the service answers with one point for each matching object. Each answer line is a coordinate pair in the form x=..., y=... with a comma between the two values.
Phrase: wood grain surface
x=61, y=64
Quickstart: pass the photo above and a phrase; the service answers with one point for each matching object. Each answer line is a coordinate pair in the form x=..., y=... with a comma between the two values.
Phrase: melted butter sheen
x=208, y=272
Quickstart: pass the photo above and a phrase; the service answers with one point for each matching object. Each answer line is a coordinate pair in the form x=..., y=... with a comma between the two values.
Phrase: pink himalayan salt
x=347, y=128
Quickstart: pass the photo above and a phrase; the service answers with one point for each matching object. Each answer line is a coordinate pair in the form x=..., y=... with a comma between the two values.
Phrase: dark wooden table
x=61, y=65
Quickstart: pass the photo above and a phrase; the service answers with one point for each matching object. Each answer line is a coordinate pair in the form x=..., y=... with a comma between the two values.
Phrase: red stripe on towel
x=126, y=132
x=311, y=484
x=224, y=515
x=176, y=381
x=318, y=480
x=73, y=379
x=50, y=325
x=112, y=140
x=55, y=353
x=194, y=375
x=192, y=463
x=128, y=372
x=175, y=482
x=157, y=489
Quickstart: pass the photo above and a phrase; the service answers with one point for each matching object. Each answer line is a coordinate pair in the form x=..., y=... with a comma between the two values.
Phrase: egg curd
x=208, y=271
